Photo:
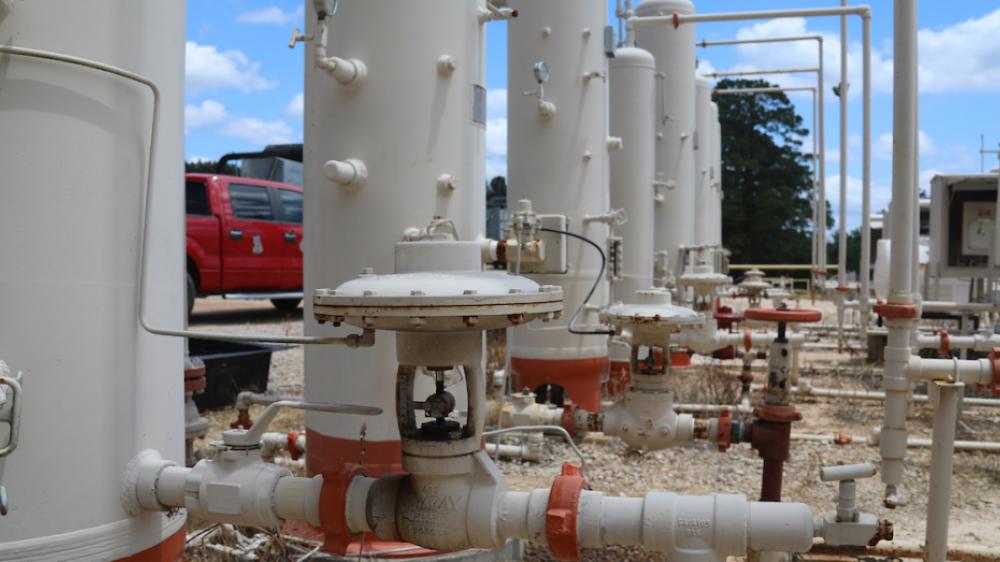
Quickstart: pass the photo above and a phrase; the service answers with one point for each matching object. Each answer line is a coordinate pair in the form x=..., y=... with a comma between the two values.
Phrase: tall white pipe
x=942, y=465
x=866, y=227
x=68, y=245
x=904, y=185
x=674, y=51
x=842, y=211
x=631, y=78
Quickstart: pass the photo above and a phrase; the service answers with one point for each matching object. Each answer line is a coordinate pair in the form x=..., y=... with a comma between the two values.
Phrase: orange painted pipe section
x=581, y=379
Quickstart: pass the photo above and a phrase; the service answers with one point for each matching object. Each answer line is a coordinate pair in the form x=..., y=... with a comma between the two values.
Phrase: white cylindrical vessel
x=632, y=91
x=673, y=49
x=418, y=127
x=703, y=160
x=716, y=232
x=97, y=388
x=560, y=162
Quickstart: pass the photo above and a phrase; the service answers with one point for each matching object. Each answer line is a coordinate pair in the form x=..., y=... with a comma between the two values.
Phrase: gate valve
x=848, y=526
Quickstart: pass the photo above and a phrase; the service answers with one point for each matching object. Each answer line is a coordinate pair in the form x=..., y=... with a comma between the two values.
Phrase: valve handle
x=794, y=316
x=251, y=438
x=843, y=472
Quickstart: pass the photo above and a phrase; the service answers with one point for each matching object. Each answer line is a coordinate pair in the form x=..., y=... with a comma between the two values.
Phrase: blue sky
x=244, y=86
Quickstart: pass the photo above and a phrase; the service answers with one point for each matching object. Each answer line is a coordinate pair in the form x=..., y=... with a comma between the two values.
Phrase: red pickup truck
x=244, y=239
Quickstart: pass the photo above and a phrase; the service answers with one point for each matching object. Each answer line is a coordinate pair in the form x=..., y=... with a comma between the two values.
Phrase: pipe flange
x=781, y=414
x=561, y=514
x=293, y=445
x=725, y=436
x=747, y=339
x=448, y=301
x=896, y=311
x=337, y=535
x=994, y=358
x=842, y=438
x=945, y=339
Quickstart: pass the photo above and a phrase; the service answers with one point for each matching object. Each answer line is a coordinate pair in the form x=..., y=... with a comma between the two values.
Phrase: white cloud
x=496, y=133
x=272, y=15
x=961, y=57
x=882, y=146
x=207, y=68
x=957, y=58
x=257, y=131
x=805, y=54
x=880, y=196
x=926, y=176
x=208, y=113
x=296, y=107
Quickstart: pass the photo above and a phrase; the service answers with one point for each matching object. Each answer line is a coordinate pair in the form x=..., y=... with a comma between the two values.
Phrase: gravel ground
x=699, y=468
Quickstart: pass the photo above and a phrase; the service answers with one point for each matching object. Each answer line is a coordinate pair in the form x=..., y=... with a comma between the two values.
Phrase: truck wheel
x=190, y=294
x=286, y=305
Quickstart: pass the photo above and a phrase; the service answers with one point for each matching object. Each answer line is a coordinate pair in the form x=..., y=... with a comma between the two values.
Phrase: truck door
x=204, y=244
x=291, y=223
x=252, y=245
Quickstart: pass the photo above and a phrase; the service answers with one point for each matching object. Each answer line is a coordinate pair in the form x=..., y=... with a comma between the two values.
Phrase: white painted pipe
x=678, y=19
x=866, y=175
x=713, y=408
x=842, y=211
x=912, y=442
x=959, y=307
x=942, y=465
x=686, y=528
x=972, y=371
x=806, y=389
x=757, y=72
x=977, y=342
x=348, y=72
x=904, y=185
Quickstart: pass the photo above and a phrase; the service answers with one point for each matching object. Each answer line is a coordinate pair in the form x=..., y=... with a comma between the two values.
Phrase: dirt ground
x=698, y=468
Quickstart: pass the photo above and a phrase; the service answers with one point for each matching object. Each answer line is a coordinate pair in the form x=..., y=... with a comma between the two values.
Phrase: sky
x=243, y=84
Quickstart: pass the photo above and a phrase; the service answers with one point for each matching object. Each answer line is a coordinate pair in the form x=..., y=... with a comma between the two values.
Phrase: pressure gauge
x=980, y=234
x=978, y=223
x=541, y=71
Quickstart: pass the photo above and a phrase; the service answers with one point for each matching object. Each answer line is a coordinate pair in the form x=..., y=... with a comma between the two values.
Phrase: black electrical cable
x=597, y=281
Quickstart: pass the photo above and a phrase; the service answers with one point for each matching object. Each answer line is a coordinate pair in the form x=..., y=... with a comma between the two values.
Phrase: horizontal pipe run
x=873, y=440
x=970, y=307
x=792, y=38
x=756, y=72
x=678, y=19
x=973, y=371
x=731, y=91
x=805, y=389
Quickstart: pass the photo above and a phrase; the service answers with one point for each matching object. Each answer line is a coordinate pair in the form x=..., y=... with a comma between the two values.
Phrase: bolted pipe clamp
x=561, y=514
